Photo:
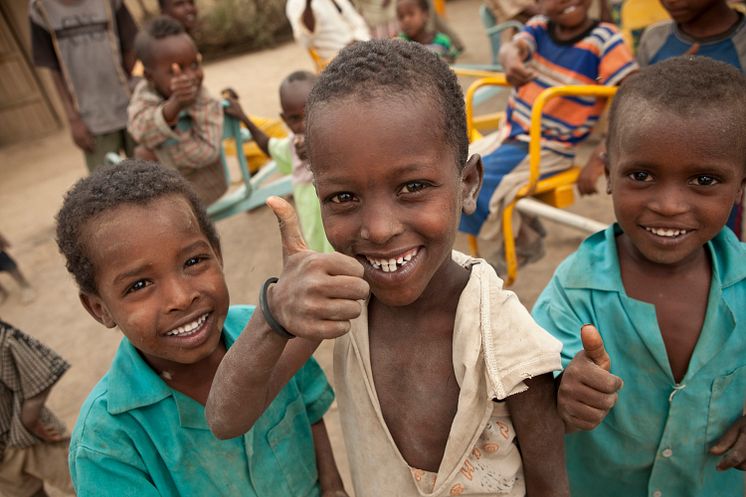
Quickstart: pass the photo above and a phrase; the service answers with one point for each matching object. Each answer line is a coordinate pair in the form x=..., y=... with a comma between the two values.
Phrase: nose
x=670, y=201
x=179, y=294
x=379, y=224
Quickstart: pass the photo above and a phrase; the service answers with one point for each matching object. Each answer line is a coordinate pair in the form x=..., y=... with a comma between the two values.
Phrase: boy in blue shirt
x=665, y=287
x=147, y=260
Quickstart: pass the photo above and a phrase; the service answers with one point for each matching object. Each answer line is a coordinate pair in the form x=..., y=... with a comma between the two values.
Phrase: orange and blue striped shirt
x=598, y=56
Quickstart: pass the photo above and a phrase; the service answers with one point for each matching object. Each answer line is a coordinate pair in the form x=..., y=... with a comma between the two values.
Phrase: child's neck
x=563, y=33
x=193, y=380
x=715, y=21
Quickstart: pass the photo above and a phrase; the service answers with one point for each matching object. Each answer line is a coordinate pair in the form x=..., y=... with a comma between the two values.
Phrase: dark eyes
x=413, y=186
x=700, y=180
x=704, y=180
x=341, y=198
x=137, y=285
x=144, y=283
x=640, y=176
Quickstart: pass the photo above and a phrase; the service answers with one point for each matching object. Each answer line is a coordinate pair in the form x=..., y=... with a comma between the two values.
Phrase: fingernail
x=586, y=324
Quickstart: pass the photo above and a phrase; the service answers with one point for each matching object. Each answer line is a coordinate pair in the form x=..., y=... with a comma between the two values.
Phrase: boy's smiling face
x=159, y=280
x=569, y=14
x=674, y=181
x=391, y=193
x=180, y=50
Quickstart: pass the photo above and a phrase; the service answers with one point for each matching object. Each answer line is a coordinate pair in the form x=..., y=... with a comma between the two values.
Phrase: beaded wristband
x=268, y=317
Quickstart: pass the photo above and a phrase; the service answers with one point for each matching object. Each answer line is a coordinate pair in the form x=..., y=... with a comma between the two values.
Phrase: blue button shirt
x=138, y=437
x=655, y=441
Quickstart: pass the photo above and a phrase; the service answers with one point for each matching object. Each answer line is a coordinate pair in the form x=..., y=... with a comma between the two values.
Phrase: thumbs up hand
x=184, y=87
x=587, y=390
x=317, y=294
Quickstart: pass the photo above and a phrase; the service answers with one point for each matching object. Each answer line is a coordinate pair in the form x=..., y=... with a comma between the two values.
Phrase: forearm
x=147, y=123
x=329, y=478
x=540, y=434
x=252, y=373
x=31, y=408
x=261, y=139
x=67, y=99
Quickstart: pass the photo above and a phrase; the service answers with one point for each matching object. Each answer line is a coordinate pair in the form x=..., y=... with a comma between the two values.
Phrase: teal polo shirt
x=136, y=436
x=655, y=441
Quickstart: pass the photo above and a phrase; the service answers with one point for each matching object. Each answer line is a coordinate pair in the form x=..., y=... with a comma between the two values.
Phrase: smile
x=189, y=328
x=392, y=265
x=570, y=9
x=666, y=232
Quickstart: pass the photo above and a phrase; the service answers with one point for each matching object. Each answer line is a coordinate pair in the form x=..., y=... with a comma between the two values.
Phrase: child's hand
x=234, y=109
x=587, y=390
x=732, y=446
x=512, y=57
x=590, y=173
x=184, y=88
x=317, y=294
x=82, y=136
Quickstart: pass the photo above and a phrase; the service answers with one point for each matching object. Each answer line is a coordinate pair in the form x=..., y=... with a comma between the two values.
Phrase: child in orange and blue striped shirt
x=561, y=47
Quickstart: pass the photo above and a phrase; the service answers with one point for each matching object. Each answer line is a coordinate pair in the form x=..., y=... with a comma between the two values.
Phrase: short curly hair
x=158, y=28
x=132, y=181
x=376, y=69
x=686, y=86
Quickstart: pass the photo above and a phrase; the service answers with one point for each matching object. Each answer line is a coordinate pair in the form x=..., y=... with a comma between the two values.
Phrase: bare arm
x=82, y=136
x=512, y=57
x=329, y=479
x=540, y=434
x=262, y=140
x=309, y=21
x=315, y=298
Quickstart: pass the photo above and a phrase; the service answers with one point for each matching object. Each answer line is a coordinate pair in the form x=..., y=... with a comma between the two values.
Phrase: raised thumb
x=594, y=346
x=290, y=233
x=693, y=49
x=175, y=69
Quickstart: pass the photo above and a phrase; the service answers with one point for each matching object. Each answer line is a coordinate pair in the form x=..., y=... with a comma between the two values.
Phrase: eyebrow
x=199, y=244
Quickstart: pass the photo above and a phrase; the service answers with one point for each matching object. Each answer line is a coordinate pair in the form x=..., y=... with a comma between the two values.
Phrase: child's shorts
x=6, y=262
x=24, y=471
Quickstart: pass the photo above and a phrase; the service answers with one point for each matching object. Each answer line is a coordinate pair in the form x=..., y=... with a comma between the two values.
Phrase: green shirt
x=136, y=436
x=655, y=441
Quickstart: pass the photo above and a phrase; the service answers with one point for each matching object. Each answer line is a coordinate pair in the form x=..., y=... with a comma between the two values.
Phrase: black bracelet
x=268, y=317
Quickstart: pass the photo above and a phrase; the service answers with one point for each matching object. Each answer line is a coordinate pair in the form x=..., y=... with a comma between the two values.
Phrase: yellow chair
x=318, y=60
x=556, y=190
x=636, y=15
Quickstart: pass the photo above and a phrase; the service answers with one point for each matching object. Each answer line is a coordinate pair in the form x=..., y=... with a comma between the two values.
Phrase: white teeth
x=667, y=232
x=392, y=265
x=188, y=328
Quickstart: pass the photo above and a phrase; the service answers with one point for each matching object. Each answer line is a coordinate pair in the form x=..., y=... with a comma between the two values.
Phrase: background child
x=171, y=115
x=142, y=430
x=665, y=287
x=33, y=442
x=386, y=135
x=88, y=45
x=413, y=18
x=290, y=153
x=9, y=265
x=564, y=46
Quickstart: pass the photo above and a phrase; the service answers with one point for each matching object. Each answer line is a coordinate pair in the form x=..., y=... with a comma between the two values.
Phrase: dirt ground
x=34, y=177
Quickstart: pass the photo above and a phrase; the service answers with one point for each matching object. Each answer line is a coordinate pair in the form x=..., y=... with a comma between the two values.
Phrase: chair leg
x=511, y=260
x=473, y=245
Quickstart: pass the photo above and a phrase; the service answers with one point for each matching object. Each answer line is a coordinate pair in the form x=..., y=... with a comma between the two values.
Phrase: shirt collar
x=596, y=263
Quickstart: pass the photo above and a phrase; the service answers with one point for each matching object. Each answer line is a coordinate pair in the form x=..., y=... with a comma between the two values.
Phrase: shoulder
x=656, y=35
x=729, y=253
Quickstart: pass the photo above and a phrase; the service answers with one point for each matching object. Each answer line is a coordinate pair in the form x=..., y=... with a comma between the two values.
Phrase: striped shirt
x=192, y=146
x=27, y=368
x=598, y=56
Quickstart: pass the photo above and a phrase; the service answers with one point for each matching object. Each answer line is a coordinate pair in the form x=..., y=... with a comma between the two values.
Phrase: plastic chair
x=556, y=190
x=318, y=61
x=494, y=30
x=636, y=15
x=254, y=190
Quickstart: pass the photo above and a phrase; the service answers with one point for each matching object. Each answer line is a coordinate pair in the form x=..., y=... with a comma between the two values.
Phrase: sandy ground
x=34, y=177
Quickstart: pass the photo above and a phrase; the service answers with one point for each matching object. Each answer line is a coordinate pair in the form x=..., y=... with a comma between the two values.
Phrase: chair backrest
x=318, y=60
x=232, y=130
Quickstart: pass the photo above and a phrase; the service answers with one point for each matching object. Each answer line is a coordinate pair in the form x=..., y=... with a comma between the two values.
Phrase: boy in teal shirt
x=665, y=287
x=148, y=261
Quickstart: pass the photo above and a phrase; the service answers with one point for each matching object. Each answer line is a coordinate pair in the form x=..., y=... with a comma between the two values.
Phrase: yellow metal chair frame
x=556, y=190
x=318, y=60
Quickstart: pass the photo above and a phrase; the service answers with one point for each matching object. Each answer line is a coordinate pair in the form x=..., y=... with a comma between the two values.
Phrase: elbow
x=222, y=424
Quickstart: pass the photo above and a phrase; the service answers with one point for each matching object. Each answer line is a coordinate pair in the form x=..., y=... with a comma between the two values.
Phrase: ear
x=97, y=309
x=607, y=175
x=284, y=119
x=471, y=183
x=147, y=74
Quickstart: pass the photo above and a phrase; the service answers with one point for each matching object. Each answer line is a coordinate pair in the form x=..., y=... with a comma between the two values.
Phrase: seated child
x=413, y=18
x=666, y=288
x=33, y=442
x=142, y=430
x=562, y=47
x=326, y=26
x=441, y=373
x=290, y=153
x=171, y=115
